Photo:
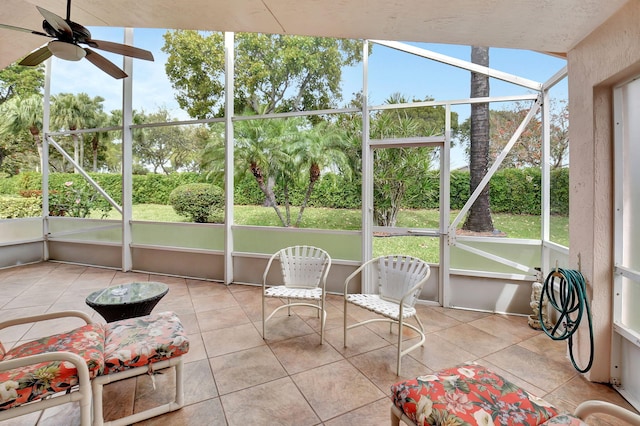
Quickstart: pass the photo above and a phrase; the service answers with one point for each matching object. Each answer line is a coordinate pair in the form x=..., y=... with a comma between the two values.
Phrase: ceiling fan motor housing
x=80, y=33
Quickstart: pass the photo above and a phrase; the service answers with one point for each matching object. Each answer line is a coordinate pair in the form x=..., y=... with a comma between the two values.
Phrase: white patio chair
x=399, y=282
x=304, y=275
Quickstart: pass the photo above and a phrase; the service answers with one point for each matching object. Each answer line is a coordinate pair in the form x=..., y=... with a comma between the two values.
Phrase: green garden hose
x=570, y=302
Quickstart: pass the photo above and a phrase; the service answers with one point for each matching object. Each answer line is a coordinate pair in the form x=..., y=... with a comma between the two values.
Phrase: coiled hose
x=571, y=302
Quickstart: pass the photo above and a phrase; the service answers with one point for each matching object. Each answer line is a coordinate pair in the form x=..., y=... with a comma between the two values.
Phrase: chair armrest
x=76, y=360
x=595, y=407
x=266, y=270
x=44, y=317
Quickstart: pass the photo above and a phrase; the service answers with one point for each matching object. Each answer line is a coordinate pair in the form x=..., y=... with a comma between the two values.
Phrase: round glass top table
x=127, y=300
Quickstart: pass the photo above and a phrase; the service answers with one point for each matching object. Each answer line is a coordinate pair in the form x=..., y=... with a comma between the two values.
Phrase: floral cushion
x=468, y=395
x=141, y=341
x=21, y=385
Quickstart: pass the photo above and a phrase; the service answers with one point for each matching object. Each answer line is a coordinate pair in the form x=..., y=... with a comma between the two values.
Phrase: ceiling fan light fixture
x=66, y=51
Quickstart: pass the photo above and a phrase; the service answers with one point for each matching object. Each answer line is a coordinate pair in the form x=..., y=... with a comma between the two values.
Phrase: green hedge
x=512, y=190
x=147, y=189
x=16, y=207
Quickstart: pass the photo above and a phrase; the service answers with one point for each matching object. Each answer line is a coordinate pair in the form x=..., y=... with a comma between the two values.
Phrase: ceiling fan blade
x=57, y=22
x=104, y=64
x=121, y=49
x=36, y=57
x=24, y=30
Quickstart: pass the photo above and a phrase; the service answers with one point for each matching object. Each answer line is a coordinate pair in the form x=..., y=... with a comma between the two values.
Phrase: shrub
x=8, y=185
x=16, y=207
x=76, y=199
x=201, y=202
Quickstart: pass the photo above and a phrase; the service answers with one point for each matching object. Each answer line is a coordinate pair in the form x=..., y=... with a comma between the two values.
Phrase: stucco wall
x=609, y=56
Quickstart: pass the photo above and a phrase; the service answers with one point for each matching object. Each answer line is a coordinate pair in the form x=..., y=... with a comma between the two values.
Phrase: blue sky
x=390, y=71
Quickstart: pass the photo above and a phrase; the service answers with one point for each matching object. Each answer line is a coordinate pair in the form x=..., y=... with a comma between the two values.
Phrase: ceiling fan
x=67, y=37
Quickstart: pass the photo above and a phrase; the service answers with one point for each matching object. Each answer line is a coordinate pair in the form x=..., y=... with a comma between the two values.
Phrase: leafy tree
x=17, y=153
x=395, y=169
x=168, y=148
x=274, y=73
x=113, y=151
x=479, y=217
x=186, y=156
x=16, y=80
x=559, y=143
x=527, y=152
x=22, y=115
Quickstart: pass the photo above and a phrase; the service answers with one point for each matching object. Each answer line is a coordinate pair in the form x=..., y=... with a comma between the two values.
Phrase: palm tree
x=479, y=218
x=260, y=152
x=75, y=112
x=319, y=148
x=260, y=149
x=24, y=114
x=96, y=121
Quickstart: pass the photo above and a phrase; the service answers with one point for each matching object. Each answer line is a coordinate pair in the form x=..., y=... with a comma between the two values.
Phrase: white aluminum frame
x=446, y=232
x=621, y=332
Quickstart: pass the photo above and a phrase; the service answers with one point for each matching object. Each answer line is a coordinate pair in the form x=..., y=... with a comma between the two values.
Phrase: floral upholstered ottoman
x=137, y=346
x=470, y=395
x=142, y=341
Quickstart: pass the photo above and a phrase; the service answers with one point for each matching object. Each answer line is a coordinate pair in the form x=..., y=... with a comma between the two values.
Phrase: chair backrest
x=398, y=274
x=304, y=266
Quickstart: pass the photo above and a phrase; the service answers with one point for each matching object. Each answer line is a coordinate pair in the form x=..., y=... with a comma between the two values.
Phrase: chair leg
x=345, y=323
x=322, y=315
x=399, y=346
x=395, y=419
x=98, y=383
x=98, y=412
x=179, y=384
x=419, y=325
x=263, y=308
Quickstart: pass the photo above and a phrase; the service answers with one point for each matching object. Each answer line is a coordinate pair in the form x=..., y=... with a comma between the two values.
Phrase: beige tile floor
x=234, y=377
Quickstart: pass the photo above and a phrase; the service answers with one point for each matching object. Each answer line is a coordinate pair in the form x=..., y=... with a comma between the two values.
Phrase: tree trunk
x=314, y=175
x=76, y=151
x=94, y=149
x=269, y=200
x=269, y=195
x=388, y=216
x=479, y=218
x=35, y=133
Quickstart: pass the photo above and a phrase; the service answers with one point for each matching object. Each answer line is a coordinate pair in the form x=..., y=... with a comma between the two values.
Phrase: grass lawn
x=514, y=226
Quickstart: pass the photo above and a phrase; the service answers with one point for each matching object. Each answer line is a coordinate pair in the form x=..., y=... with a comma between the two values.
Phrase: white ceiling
x=541, y=25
